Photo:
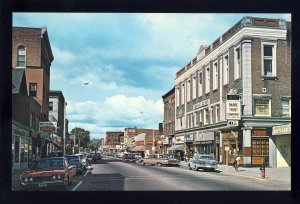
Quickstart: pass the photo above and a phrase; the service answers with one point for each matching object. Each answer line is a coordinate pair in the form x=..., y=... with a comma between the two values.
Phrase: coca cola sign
x=48, y=127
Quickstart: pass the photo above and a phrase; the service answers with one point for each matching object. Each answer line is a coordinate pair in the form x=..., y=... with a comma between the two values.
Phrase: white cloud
x=125, y=111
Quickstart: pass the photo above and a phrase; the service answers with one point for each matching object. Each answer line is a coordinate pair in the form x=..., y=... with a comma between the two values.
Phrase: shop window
x=262, y=107
x=17, y=149
x=260, y=146
x=21, y=57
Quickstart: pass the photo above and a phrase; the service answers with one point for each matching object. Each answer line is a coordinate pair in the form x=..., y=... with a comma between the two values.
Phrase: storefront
x=282, y=137
x=21, y=146
x=260, y=146
x=230, y=141
x=204, y=143
x=178, y=147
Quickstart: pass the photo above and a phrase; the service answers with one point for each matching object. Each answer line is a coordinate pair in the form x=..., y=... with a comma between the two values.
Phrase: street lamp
x=65, y=112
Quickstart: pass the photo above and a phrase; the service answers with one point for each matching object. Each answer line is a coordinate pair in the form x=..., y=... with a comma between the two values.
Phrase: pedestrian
x=236, y=160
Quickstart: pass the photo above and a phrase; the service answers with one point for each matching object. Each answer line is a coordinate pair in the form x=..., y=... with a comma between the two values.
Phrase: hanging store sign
x=233, y=110
x=48, y=127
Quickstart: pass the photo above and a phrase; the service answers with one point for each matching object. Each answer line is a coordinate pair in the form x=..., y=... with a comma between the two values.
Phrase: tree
x=83, y=135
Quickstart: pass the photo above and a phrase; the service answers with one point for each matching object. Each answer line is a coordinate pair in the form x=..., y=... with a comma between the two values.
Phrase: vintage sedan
x=203, y=161
x=47, y=173
x=76, y=161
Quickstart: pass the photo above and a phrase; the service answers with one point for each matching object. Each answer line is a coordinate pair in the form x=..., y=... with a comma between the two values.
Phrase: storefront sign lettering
x=282, y=129
x=201, y=104
x=233, y=110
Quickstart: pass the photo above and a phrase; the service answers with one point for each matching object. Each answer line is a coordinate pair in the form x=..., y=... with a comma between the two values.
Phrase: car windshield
x=207, y=157
x=49, y=163
x=73, y=158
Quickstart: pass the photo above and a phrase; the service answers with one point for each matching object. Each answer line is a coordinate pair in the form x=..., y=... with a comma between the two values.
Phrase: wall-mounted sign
x=48, y=127
x=201, y=104
x=233, y=110
x=281, y=130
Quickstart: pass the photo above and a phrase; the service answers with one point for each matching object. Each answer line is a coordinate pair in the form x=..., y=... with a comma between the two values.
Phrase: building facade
x=31, y=51
x=169, y=119
x=26, y=113
x=57, y=112
x=235, y=90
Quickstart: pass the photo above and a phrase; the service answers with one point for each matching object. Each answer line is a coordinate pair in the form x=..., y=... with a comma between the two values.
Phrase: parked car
x=203, y=161
x=47, y=173
x=83, y=159
x=77, y=162
x=129, y=157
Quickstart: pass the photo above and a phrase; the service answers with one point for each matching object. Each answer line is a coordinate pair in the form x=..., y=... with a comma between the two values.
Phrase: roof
x=17, y=77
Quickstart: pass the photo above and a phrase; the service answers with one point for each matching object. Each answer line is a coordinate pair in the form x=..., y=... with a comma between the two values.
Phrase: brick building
x=26, y=113
x=234, y=91
x=169, y=119
x=32, y=52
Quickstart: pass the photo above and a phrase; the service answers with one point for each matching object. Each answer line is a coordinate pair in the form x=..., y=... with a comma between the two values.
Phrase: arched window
x=21, y=58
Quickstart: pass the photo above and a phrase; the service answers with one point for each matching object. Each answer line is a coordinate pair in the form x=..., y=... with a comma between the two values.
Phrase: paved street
x=111, y=174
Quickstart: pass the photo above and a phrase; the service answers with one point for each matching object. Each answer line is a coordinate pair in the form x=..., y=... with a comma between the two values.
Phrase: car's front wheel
x=143, y=163
x=158, y=164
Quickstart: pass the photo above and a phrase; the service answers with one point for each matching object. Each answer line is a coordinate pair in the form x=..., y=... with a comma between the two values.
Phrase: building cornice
x=244, y=33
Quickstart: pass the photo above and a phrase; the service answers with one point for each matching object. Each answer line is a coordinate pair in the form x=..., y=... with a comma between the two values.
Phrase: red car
x=48, y=172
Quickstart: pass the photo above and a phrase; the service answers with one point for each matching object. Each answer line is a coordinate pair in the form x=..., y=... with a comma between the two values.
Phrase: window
x=200, y=85
x=50, y=106
x=260, y=146
x=33, y=89
x=182, y=94
x=188, y=91
x=237, y=63
x=226, y=70
x=177, y=96
x=215, y=76
x=285, y=107
x=207, y=80
x=206, y=116
x=262, y=107
x=268, y=59
x=211, y=115
x=194, y=87
x=21, y=56
x=217, y=114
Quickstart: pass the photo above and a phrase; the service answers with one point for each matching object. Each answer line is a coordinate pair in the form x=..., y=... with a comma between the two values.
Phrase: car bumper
x=45, y=185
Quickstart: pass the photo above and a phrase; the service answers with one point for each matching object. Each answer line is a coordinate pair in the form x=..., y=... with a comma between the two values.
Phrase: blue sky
x=129, y=59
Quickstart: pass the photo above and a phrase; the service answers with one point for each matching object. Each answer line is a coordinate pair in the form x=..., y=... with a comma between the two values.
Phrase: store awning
x=138, y=149
x=177, y=147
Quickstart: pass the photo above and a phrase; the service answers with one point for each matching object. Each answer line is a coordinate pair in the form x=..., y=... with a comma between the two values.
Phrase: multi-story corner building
x=31, y=51
x=169, y=119
x=235, y=91
x=56, y=111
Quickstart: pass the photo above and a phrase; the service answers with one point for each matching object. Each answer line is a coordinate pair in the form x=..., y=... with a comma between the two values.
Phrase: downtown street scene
x=151, y=102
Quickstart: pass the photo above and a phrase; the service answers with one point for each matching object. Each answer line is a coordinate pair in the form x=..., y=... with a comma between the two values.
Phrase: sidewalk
x=271, y=174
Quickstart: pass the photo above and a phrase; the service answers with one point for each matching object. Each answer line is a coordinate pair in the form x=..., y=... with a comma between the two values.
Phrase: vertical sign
x=233, y=107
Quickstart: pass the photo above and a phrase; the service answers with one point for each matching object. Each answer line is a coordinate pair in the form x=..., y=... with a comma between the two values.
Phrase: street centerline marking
x=77, y=186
